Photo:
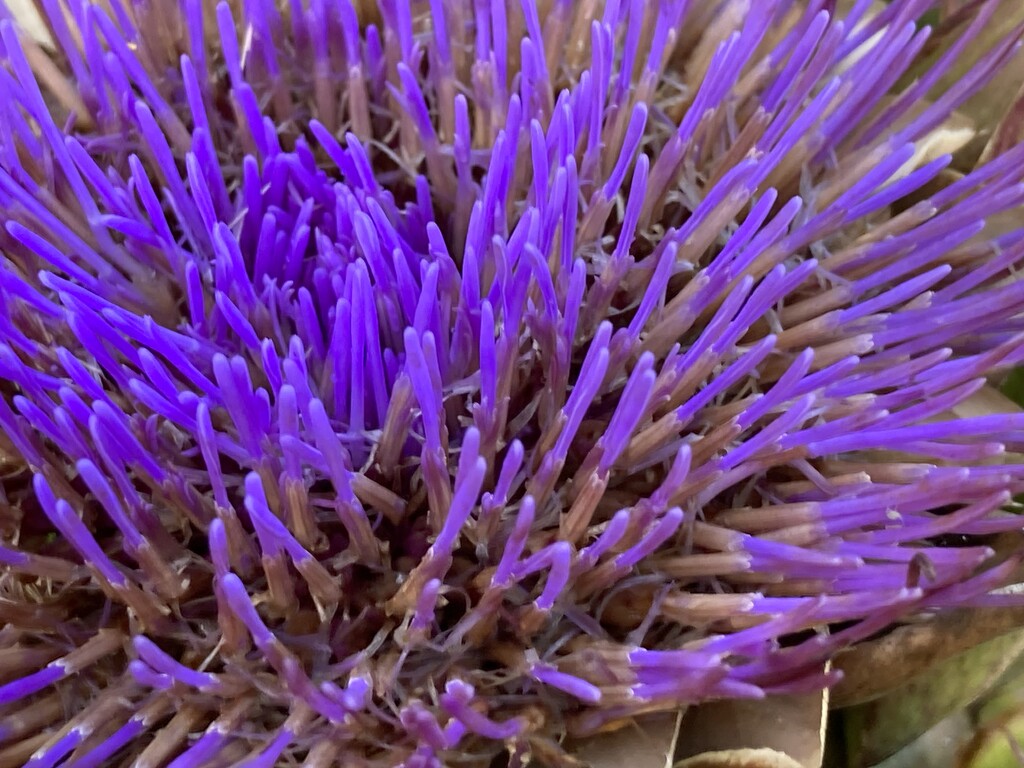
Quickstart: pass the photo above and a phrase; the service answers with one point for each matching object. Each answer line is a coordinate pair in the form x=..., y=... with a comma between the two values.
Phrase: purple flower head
x=403, y=384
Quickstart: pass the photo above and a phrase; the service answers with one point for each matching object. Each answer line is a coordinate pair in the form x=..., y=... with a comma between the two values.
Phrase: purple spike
x=574, y=686
x=652, y=539
x=456, y=701
x=631, y=409
x=514, y=545
x=591, y=375
x=630, y=143
x=64, y=518
x=161, y=662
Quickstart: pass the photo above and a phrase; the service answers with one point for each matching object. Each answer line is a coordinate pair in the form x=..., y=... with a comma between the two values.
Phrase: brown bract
x=740, y=758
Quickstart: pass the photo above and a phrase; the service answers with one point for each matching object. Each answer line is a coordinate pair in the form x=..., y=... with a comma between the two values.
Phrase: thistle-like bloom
x=410, y=384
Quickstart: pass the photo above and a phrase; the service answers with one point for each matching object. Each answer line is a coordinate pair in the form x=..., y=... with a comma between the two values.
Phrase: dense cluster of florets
x=420, y=383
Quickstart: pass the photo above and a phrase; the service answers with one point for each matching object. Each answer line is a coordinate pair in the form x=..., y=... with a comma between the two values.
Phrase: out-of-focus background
x=25, y=12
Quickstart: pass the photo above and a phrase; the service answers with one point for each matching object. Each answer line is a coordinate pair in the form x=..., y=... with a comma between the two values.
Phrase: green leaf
x=1013, y=387
x=878, y=729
